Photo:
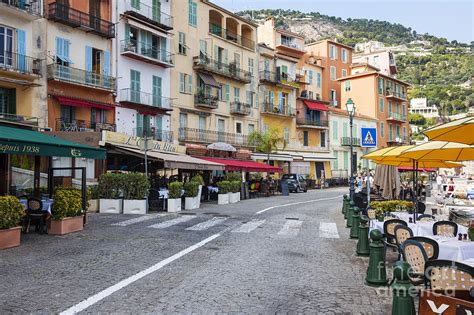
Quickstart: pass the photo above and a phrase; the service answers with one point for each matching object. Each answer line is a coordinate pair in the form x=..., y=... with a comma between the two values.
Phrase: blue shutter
x=106, y=66
x=66, y=50
x=59, y=47
x=21, y=38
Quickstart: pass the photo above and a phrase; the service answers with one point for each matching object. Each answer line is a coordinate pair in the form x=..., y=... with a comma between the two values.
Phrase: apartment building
x=215, y=77
x=336, y=59
x=381, y=97
x=142, y=50
x=382, y=59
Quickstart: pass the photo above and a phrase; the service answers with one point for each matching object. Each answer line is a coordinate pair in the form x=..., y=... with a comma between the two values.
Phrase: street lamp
x=350, y=106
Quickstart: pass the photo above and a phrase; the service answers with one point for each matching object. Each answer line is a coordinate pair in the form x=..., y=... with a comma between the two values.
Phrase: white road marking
x=296, y=203
x=166, y=224
x=328, y=230
x=206, y=224
x=291, y=228
x=122, y=284
x=249, y=226
x=138, y=220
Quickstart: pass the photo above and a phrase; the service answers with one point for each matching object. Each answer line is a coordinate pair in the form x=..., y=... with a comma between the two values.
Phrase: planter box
x=237, y=195
x=93, y=206
x=222, y=199
x=174, y=205
x=65, y=226
x=134, y=206
x=234, y=197
x=199, y=197
x=10, y=237
x=191, y=203
x=110, y=205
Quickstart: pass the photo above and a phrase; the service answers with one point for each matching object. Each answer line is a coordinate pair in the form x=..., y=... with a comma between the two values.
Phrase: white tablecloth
x=213, y=189
x=46, y=204
x=418, y=228
x=164, y=193
x=469, y=262
x=453, y=249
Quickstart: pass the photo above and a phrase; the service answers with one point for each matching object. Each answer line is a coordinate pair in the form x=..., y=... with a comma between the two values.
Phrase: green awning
x=22, y=141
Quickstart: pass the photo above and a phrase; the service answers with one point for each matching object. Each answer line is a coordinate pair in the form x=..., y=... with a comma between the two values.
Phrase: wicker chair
x=371, y=214
x=449, y=275
x=389, y=231
x=445, y=228
x=402, y=233
x=425, y=217
x=430, y=245
x=35, y=214
x=414, y=254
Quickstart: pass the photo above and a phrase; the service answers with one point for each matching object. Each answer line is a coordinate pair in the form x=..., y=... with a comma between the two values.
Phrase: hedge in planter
x=67, y=211
x=134, y=185
x=224, y=187
x=11, y=212
x=174, y=196
x=110, y=190
x=198, y=179
x=192, y=191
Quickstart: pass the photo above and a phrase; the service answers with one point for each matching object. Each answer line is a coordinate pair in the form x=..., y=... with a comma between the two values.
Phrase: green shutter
x=136, y=4
x=227, y=92
x=139, y=125
x=157, y=91
x=181, y=82
x=190, y=83
x=135, y=86
x=334, y=130
x=156, y=10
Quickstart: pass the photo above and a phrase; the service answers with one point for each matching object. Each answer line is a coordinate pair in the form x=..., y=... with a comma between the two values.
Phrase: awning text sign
x=139, y=143
x=47, y=150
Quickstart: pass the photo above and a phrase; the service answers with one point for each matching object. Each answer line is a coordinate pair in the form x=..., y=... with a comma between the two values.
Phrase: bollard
x=344, y=205
x=363, y=243
x=402, y=302
x=350, y=212
x=376, y=272
x=355, y=223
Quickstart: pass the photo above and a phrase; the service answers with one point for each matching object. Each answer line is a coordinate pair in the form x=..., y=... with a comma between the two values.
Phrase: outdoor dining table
x=213, y=189
x=46, y=204
x=451, y=248
x=419, y=228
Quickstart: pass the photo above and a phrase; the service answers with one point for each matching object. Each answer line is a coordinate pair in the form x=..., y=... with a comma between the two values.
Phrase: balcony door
x=7, y=101
x=220, y=130
x=68, y=119
x=94, y=14
x=134, y=86
x=156, y=10
x=6, y=46
x=157, y=91
x=97, y=116
x=62, y=9
x=202, y=128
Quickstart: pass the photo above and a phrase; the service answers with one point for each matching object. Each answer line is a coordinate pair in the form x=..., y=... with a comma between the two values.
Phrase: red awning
x=247, y=165
x=316, y=105
x=69, y=101
x=410, y=169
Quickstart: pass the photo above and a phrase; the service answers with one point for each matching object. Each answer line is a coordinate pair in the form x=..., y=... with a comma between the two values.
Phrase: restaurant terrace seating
x=415, y=254
x=430, y=245
x=35, y=214
x=447, y=275
x=445, y=228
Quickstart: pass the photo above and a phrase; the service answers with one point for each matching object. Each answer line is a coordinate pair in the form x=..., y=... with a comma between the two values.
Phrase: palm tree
x=268, y=141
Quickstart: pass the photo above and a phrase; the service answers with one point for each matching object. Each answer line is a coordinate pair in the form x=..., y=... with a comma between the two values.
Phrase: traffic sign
x=369, y=137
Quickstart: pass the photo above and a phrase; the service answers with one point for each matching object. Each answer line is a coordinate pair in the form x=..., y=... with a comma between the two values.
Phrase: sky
x=451, y=19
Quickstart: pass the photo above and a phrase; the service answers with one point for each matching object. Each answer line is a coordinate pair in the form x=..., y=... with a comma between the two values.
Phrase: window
x=390, y=132
x=381, y=86
x=347, y=86
x=335, y=163
x=344, y=55
x=251, y=65
x=333, y=73
x=236, y=94
x=318, y=79
x=305, y=138
x=135, y=86
x=323, y=139
x=185, y=83
x=390, y=107
x=382, y=129
x=6, y=46
x=403, y=109
x=344, y=129
x=333, y=52
x=157, y=91
x=227, y=92
x=183, y=119
x=286, y=135
x=251, y=128
x=202, y=48
x=381, y=105
x=334, y=131
x=333, y=98
x=182, y=43
x=238, y=127
x=376, y=61
x=398, y=131
x=192, y=14
x=182, y=78
x=346, y=160
x=310, y=76
x=136, y=4
x=237, y=60
x=249, y=98
x=404, y=134
x=344, y=73
x=62, y=50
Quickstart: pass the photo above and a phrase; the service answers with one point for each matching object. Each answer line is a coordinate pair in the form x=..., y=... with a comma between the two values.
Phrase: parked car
x=296, y=182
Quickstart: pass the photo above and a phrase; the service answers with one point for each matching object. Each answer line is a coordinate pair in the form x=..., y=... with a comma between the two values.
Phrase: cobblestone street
x=267, y=255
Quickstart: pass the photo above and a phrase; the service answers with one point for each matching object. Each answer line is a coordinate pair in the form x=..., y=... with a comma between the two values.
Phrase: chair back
x=371, y=214
x=389, y=228
x=421, y=208
x=34, y=205
x=445, y=228
x=449, y=275
x=414, y=254
x=425, y=217
x=402, y=233
x=430, y=245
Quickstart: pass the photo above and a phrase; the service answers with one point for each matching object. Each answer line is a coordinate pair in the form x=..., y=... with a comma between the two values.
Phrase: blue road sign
x=369, y=137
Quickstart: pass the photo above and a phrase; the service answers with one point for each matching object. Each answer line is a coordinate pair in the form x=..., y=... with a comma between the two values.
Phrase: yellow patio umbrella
x=440, y=150
x=422, y=164
x=388, y=154
x=461, y=130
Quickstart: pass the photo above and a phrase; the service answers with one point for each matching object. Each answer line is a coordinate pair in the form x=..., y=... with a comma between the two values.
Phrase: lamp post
x=350, y=106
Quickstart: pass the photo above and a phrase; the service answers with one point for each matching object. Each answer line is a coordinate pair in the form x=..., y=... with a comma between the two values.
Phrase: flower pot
x=93, y=206
x=199, y=197
x=191, y=203
x=10, y=237
x=233, y=198
x=174, y=205
x=134, y=206
x=110, y=205
x=237, y=196
x=66, y=225
x=222, y=199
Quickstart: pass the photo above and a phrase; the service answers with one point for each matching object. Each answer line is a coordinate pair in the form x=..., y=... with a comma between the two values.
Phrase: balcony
x=333, y=103
x=78, y=19
x=230, y=71
x=298, y=146
x=143, y=12
x=289, y=46
x=29, y=9
x=274, y=109
x=395, y=95
x=146, y=53
x=206, y=101
x=82, y=125
x=223, y=33
x=159, y=135
x=239, y=108
x=397, y=117
x=129, y=96
x=18, y=119
x=281, y=79
x=80, y=77
x=304, y=122
x=346, y=141
x=211, y=136
x=20, y=64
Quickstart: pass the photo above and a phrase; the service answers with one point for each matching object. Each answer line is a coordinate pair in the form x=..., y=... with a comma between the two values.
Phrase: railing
x=20, y=63
x=240, y=108
x=312, y=122
x=138, y=97
x=333, y=103
x=217, y=30
x=146, y=50
x=278, y=109
x=289, y=43
x=230, y=71
x=310, y=96
x=277, y=78
x=298, y=146
x=150, y=13
x=19, y=119
x=397, y=116
x=160, y=135
x=389, y=93
x=78, y=125
x=31, y=6
x=347, y=141
x=207, y=101
x=78, y=76
x=210, y=136
x=76, y=18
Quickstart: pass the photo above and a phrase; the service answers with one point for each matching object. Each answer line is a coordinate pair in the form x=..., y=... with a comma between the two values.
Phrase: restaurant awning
x=69, y=101
x=247, y=165
x=273, y=157
x=29, y=142
x=308, y=156
x=209, y=80
x=316, y=105
x=180, y=161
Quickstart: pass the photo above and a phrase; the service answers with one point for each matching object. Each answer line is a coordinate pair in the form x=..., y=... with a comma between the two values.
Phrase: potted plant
x=234, y=191
x=11, y=212
x=135, y=189
x=470, y=231
x=109, y=192
x=223, y=196
x=93, y=199
x=192, y=192
x=67, y=212
x=174, y=196
x=198, y=178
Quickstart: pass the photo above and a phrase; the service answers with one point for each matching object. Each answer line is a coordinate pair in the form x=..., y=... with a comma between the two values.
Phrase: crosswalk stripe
x=137, y=220
x=165, y=224
x=249, y=226
x=206, y=224
x=328, y=230
x=291, y=228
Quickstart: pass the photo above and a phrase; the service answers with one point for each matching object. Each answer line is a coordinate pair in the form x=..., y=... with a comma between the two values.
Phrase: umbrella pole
x=416, y=193
x=413, y=191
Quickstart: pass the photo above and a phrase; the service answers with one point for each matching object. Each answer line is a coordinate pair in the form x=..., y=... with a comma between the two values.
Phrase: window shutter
x=139, y=124
x=59, y=47
x=66, y=48
x=226, y=56
x=21, y=49
x=216, y=52
x=106, y=65
x=127, y=33
x=88, y=59
x=227, y=92
x=163, y=47
x=190, y=83
x=181, y=82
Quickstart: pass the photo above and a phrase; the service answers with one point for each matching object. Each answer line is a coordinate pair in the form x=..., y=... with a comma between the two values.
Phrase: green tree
x=416, y=119
x=268, y=141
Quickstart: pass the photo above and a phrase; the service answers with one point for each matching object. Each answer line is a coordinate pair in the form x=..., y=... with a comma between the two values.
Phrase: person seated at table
x=450, y=187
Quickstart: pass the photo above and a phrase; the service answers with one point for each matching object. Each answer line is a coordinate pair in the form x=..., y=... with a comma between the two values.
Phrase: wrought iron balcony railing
x=312, y=122
x=278, y=109
x=217, y=30
x=13, y=61
x=31, y=6
x=150, y=14
x=160, y=135
x=75, y=18
x=142, y=49
x=78, y=125
x=397, y=116
x=231, y=71
x=240, y=108
x=289, y=43
x=346, y=141
x=131, y=96
x=78, y=76
x=394, y=94
x=211, y=136
x=278, y=78
x=206, y=101
x=19, y=119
